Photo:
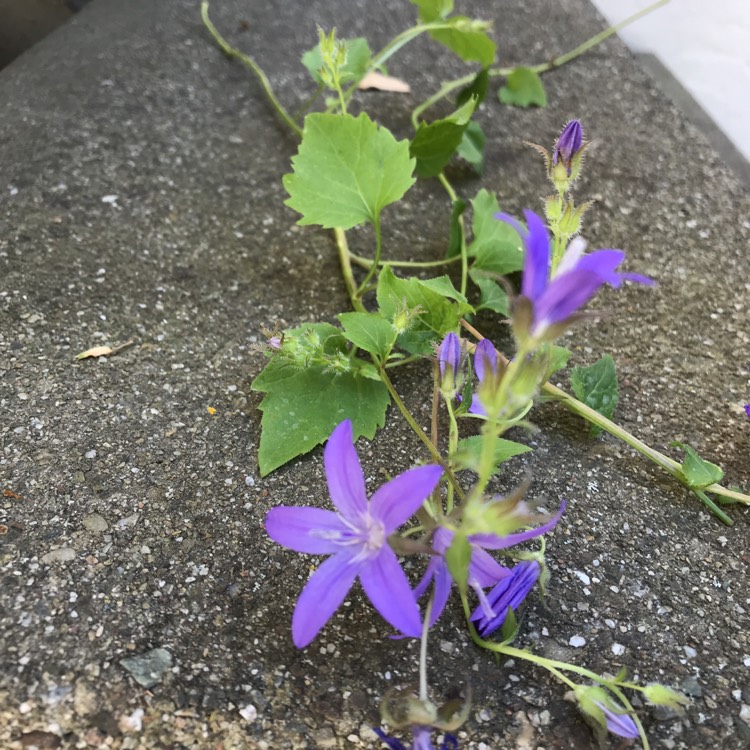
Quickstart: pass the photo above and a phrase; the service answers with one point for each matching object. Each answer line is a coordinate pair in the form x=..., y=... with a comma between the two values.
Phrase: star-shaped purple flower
x=484, y=570
x=356, y=537
x=577, y=279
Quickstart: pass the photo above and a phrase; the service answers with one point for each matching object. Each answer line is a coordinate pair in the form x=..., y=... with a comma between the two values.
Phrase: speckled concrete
x=140, y=199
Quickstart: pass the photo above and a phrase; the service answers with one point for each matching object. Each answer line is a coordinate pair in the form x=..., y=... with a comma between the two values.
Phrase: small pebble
x=63, y=554
x=577, y=641
x=249, y=713
x=95, y=522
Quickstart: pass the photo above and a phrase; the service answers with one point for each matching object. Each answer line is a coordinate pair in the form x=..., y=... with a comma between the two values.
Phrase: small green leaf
x=596, y=386
x=443, y=285
x=496, y=246
x=454, y=243
x=368, y=331
x=433, y=10
x=491, y=295
x=346, y=171
x=435, y=314
x=476, y=89
x=458, y=558
x=523, y=88
x=558, y=358
x=469, y=452
x=698, y=472
x=358, y=54
x=471, y=148
x=509, y=629
x=434, y=144
x=468, y=39
x=302, y=407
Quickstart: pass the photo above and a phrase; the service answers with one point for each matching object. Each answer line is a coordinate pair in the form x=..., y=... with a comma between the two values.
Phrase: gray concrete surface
x=141, y=199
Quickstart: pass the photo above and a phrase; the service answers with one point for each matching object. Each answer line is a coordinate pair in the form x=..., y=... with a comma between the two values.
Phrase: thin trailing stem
x=257, y=70
x=346, y=269
x=375, y=261
x=368, y=263
x=669, y=465
x=448, y=87
x=463, y=254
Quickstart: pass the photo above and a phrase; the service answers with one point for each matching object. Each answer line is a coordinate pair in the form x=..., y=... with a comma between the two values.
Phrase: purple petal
x=620, y=724
x=322, y=596
x=508, y=594
x=388, y=589
x=476, y=407
x=429, y=574
x=399, y=499
x=449, y=355
x=603, y=263
x=569, y=143
x=638, y=278
x=747, y=410
x=565, y=296
x=485, y=359
x=536, y=262
x=310, y=530
x=346, y=482
x=508, y=219
x=392, y=742
x=491, y=541
x=484, y=569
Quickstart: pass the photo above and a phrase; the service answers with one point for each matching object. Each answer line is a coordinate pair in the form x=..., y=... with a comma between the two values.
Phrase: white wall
x=705, y=44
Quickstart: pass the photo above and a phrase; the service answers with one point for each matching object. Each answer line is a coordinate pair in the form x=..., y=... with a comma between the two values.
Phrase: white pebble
x=582, y=577
x=577, y=641
x=618, y=649
x=249, y=713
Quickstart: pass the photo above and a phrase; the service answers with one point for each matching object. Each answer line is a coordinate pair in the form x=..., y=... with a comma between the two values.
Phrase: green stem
x=672, y=467
x=375, y=260
x=418, y=431
x=452, y=447
x=450, y=86
x=257, y=70
x=404, y=361
x=463, y=254
x=367, y=263
x=346, y=269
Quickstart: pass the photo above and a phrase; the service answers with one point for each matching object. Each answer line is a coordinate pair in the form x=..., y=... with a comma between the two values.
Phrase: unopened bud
x=660, y=695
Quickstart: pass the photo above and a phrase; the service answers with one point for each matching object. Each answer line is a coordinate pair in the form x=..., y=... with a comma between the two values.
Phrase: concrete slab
x=141, y=199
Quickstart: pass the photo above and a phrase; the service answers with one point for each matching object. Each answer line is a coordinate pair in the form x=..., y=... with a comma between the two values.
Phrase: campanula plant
x=332, y=384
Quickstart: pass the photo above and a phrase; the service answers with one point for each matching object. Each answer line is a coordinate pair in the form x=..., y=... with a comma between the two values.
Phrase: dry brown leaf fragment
x=13, y=495
x=103, y=351
x=380, y=82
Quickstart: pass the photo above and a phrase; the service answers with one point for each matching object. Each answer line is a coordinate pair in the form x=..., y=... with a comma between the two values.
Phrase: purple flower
x=577, y=279
x=449, y=360
x=420, y=740
x=485, y=367
x=356, y=537
x=509, y=593
x=568, y=144
x=747, y=410
x=484, y=570
x=619, y=723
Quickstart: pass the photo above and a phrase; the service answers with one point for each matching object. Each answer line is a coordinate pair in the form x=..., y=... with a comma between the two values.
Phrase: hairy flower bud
x=449, y=360
x=660, y=695
x=567, y=154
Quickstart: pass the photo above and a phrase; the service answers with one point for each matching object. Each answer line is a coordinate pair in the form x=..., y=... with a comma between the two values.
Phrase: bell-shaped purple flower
x=568, y=145
x=509, y=593
x=619, y=723
x=421, y=740
x=487, y=372
x=747, y=410
x=449, y=361
x=356, y=537
x=577, y=279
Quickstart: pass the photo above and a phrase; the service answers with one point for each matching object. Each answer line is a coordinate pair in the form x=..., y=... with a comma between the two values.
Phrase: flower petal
x=399, y=499
x=564, y=296
x=310, y=530
x=346, y=482
x=603, y=263
x=491, y=541
x=484, y=569
x=620, y=724
x=322, y=596
x=485, y=359
x=388, y=589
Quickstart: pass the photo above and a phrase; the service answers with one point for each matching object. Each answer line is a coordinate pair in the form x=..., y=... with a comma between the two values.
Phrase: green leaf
x=509, y=628
x=454, y=243
x=458, y=558
x=468, y=39
x=476, y=89
x=596, y=386
x=523, y=88
x=346, y=171
x=471, y=148
x=302, y=407
x=558, y=358
x=435, y=313
x=358, y=54
x=496, y=246
x=469, y=452
x=443, y=285
x=433, y=10
x=434, y=144
x=368, y=331
x=491, y=295
x=698, y=472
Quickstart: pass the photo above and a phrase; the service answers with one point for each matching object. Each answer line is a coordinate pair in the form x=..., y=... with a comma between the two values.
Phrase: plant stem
x=423, y=691
x=346, y=269
x=669, y=465
x=448, y=87
x=367, y=263
x=463, y=254
x=418, y=431
x=257, y=70
x=375, y=261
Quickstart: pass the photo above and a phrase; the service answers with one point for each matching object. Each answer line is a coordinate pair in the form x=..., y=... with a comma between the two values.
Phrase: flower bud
x=567, y=154
x=660, y=695
x=449, y=360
